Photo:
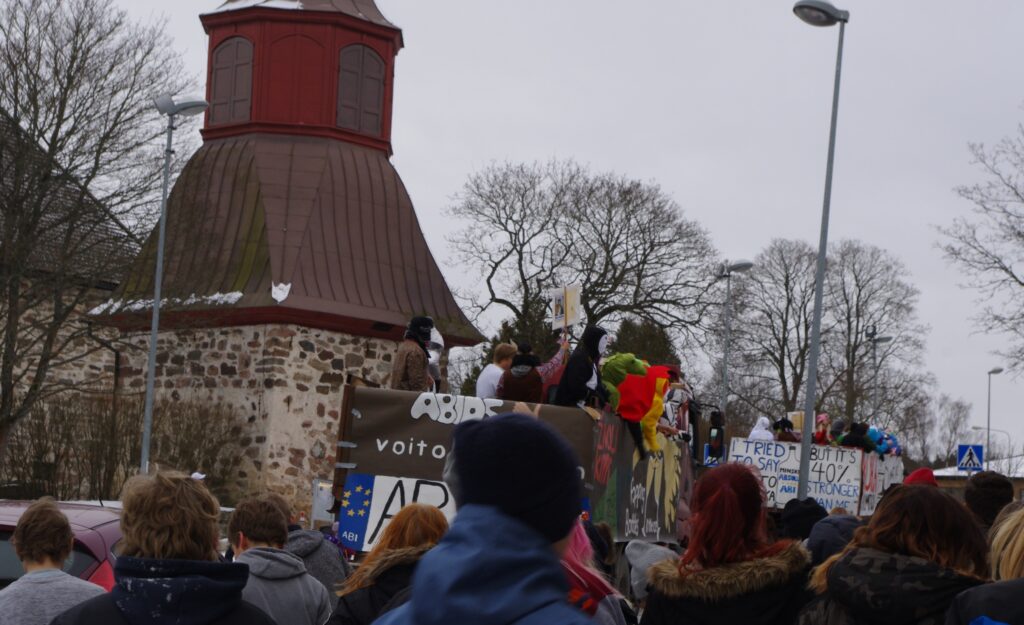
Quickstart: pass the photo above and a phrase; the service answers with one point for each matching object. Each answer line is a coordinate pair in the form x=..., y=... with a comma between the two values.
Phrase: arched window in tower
x=231, y=91
x=361, y=90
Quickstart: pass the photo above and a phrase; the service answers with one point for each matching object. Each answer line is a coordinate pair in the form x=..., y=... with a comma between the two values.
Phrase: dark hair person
x=986, y=494
x=730, y=572
x=919, y=551
x=387, y=570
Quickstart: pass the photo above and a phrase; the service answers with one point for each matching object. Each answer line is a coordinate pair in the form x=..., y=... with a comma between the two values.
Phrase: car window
x=10, y=567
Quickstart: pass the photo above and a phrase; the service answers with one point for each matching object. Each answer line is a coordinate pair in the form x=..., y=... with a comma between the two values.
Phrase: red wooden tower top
x=291, y=211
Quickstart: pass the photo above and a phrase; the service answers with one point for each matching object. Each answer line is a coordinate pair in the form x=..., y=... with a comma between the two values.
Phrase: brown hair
x=415, y=525
x=504, y=351
x=920, y=521
x=169, y=516
x=282, y=505
x=43, y=533
x=260, y=520
x=1008, y=547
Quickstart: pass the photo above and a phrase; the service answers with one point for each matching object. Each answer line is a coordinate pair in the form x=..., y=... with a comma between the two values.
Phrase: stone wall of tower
x=283, y=383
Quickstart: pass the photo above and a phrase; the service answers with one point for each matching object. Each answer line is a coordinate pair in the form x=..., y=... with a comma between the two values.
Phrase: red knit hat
x=923, y=475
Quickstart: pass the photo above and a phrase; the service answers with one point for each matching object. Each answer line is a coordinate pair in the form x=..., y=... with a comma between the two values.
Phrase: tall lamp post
x=988, y=423
x=741, y=266
x=818, y=13
x=875, y=340
x=172, y=108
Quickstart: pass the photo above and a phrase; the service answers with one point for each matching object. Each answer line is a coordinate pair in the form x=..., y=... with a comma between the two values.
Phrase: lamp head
x=739, y=266
x=820, y=13
x=996, y=371
x=187, y=106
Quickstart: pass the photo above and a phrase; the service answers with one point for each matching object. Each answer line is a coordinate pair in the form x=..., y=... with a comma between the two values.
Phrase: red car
x=96, y=528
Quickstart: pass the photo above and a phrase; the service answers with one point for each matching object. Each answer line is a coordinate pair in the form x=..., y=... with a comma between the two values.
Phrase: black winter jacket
x=389, y=576
x=871, y=587
x=580, y=369
x=765, y=591
x=1000, y=602
x=830, y=535
x=170, y=592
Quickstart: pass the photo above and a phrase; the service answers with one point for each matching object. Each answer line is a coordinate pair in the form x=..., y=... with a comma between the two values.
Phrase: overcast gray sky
x=726, y=105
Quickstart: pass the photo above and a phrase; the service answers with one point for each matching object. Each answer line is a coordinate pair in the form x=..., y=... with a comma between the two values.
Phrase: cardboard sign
x=565, y=307
x=835, y=472
x=877, y=476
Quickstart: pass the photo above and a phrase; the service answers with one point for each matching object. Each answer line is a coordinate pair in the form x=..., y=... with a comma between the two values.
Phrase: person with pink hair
x=589, y=590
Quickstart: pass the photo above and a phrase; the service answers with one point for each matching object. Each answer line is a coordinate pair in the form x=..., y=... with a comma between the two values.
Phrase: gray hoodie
x=321, y=557
x=280, y=586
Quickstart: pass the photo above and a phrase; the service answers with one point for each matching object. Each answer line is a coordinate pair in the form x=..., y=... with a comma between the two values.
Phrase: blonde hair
x=1008, y=548
x=169, y=516
x=504, y=351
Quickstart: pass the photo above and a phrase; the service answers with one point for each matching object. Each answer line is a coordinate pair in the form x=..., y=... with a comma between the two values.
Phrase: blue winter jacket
x=489, y=569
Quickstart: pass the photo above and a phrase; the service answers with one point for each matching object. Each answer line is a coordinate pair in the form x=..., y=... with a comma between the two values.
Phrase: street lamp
x=988, y=423
x=818, y=13
x=740, y=266
x=875, y=340
x=1009, y=439
x=172, y=108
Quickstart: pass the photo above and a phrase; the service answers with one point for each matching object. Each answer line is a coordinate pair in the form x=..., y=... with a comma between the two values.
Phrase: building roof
x=362, y=9
x=319, y=231
x=1012, y=467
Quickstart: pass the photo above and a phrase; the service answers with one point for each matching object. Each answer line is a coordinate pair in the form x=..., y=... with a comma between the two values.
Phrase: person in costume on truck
x=410, y=369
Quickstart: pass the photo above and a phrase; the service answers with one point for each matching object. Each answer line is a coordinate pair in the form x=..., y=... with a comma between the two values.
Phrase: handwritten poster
x=835, y=472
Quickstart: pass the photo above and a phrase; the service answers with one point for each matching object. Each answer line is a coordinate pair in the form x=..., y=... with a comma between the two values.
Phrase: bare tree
x=989, y=245
x=951, y=427
x=771, y=336
x=80, y=171
x=867, y=288
x=532, y=228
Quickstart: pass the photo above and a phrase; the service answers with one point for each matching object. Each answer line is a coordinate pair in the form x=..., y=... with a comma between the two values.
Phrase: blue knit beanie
x=524, y=468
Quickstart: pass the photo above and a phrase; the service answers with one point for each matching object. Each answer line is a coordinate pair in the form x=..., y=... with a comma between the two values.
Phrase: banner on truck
x=394, y=444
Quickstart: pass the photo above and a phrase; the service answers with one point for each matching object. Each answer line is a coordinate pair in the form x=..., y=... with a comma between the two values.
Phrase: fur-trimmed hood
x=730, y=580
x=391, y=559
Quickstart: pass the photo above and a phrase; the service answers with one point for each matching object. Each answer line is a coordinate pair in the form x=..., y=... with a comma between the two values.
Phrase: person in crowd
x=581, y=380
x=322, y=558
x=822, y=435
x=999, y=603
x=499, y=563
x=525, y=380
x=588, y=589
x=168, y=570
x=918, y=552
x=42, y=541
x=923, y=476
x=278, y=581
x=387, y=570
x=642, y=556
x=830, y=535
x=487, y=382
x=838, y=432
x=784, y=433
x=762, y=430
x=858, y=438
x=798, y=518
x=986, y=493
x=730, y=572
x=1007, y=510
x=601, y=541
x=409, y=370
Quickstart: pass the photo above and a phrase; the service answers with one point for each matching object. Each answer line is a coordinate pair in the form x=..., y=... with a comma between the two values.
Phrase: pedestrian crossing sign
x=970, y=457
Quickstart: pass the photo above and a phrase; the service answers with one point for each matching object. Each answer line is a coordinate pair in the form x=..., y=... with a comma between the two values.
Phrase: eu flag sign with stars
x=354, y=513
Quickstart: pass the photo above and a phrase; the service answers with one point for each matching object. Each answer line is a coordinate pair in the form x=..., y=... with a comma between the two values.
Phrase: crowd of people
x=519, y=553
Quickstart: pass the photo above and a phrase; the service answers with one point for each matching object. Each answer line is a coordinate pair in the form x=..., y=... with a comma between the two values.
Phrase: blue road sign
x=709, y=460
x=970, y=457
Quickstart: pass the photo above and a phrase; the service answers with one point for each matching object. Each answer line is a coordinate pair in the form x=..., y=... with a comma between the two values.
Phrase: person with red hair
x=730, y=572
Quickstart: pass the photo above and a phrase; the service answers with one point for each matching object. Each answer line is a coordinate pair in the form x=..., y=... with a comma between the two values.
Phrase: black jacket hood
x=591, y=340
